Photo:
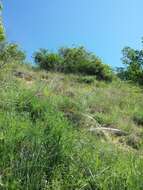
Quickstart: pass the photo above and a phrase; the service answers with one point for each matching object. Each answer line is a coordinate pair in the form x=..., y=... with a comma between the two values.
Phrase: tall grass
x=40, y=147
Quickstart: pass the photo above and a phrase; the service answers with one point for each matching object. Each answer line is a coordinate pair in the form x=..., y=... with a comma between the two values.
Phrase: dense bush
x=73, y=60
x=46, y=60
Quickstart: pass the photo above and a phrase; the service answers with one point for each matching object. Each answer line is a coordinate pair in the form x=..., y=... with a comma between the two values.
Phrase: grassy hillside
x=54, y=132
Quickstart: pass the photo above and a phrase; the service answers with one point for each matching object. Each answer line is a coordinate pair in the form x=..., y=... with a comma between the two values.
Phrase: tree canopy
x=133, y=61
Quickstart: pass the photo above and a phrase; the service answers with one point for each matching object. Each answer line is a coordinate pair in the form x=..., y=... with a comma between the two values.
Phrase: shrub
x=73, y=60
x=79, y=60
x=10, y=53
x=46, y=60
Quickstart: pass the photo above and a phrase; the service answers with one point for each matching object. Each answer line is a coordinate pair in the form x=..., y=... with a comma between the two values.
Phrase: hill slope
x=69, y=132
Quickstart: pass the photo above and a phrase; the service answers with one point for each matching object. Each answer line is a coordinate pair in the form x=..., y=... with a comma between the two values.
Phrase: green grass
x=44, y=139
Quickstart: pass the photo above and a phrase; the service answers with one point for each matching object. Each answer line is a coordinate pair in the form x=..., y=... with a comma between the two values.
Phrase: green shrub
x=46, y=60
x=73, y=60
x=10, y=53
x=79, y=60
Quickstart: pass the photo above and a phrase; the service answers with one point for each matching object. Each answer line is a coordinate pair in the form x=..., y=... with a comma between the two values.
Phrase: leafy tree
x=9, y=53
x=133, y=61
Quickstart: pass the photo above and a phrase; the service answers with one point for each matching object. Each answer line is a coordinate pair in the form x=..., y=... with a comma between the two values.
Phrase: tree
x=2, y=33
x=133, y=61
x=9, y=53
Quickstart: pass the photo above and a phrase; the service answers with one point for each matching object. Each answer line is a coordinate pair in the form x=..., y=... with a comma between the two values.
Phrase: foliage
x=9, y=53
x=40, y=147
x=73, y=60
x=133, y=61
x=2, y=32
x=46, y=60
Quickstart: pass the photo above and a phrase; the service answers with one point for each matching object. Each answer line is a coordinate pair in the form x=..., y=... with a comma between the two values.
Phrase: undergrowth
x=44, y=139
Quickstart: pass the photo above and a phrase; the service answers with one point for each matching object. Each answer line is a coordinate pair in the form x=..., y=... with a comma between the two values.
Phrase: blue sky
x=102, y=26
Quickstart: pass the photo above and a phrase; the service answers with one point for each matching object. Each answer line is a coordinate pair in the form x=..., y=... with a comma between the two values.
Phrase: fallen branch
x=113, y=131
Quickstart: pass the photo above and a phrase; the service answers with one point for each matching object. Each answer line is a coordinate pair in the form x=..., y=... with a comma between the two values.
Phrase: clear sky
x=103, y=26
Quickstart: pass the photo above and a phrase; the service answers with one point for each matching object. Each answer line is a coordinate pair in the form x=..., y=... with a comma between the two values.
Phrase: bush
x=79, y=60
x=46, y=60
x=10, y=53
x=73, y=60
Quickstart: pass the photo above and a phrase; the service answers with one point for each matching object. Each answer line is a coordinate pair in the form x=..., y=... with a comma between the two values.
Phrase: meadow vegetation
x=45, y=137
